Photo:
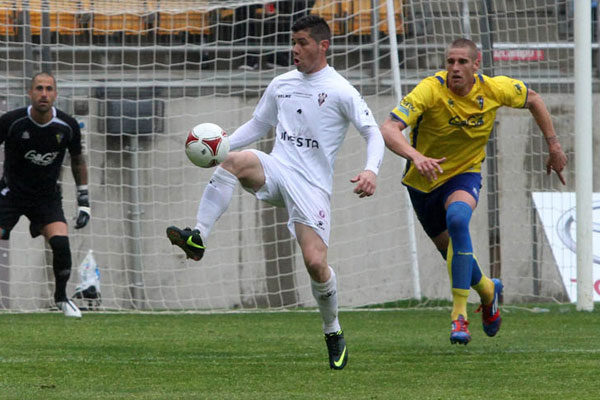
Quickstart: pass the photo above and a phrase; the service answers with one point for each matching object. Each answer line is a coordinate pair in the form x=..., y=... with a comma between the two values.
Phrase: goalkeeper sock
x=215, y=200
x=326, y=295
x=61, y=265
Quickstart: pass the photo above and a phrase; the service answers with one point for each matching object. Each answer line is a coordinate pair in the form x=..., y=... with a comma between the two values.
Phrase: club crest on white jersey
x=322, y=97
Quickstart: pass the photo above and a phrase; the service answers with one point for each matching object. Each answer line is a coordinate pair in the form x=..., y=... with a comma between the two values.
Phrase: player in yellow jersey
x=452, y=115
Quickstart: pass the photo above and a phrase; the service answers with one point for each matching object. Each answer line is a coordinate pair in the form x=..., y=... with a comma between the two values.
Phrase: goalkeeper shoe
x=68, y=308
x=460, y=331
x=189, y=240
x=336, y=346
x=490, y=314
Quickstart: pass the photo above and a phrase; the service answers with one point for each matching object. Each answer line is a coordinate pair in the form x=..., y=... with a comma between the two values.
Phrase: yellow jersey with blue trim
x=445, y=124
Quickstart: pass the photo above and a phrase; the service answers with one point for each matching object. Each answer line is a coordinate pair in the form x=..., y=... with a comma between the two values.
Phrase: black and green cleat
x=189, y=240
x=336, y=346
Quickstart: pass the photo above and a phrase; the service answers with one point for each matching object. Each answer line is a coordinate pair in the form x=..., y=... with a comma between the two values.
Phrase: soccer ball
x=207, y=145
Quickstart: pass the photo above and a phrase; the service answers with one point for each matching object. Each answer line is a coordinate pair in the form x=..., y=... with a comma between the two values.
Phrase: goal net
x=138, y=75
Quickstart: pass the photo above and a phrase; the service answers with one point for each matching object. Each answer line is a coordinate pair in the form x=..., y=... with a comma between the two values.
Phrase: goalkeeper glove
x=83, y=207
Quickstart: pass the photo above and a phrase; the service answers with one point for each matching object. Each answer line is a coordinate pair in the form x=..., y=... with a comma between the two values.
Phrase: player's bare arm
x=79, y=169
x=557, y=159
x=366, y=182
x=396, y=142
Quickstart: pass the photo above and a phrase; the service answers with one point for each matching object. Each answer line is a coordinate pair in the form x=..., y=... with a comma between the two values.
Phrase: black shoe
x=336, y=346
x=189, y=240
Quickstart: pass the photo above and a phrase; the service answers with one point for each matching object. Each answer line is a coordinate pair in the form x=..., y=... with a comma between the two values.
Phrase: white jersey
x=311, y=113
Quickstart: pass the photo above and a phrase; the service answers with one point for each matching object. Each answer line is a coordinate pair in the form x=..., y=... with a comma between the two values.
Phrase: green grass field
x=393, y=354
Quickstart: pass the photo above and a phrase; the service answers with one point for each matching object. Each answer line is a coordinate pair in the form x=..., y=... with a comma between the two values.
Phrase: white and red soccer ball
x=207, y=145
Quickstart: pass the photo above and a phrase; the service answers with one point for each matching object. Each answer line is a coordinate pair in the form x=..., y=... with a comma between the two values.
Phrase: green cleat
x=336, y=346
x=189, y=240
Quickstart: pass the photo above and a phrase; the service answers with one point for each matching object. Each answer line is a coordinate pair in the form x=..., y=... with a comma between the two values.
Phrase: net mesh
x=139, y=74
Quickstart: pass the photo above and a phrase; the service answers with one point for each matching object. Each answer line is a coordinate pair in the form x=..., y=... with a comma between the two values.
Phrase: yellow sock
x=485, y=288
x=459, y=303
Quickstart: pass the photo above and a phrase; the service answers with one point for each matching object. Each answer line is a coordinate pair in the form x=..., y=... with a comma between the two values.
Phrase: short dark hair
x=48, y=74
x=463, y=43
x=316, y=26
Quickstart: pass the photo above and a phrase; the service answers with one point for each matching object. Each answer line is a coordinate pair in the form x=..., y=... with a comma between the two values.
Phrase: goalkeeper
x=311, y=108
x=452, y=115
x=35, y=141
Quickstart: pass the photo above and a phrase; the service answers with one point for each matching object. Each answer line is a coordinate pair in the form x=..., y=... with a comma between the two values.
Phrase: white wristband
x=86, y=210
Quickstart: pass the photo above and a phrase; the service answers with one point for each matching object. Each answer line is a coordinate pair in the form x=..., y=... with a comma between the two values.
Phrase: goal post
x=584, y=149
x=138, y=75
x=393, y=9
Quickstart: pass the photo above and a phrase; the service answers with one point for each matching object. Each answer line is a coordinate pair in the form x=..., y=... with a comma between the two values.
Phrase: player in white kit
x=311, y=108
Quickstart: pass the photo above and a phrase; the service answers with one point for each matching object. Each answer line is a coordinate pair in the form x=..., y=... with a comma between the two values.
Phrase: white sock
x=215, y=200
x=326, y=295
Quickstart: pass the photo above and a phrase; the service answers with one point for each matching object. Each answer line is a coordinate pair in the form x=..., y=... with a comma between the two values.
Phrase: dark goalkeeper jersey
x=33, y=153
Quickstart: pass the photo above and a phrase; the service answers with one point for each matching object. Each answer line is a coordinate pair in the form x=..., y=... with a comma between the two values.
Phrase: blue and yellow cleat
x=490, y=314
x=460, y=331
x=188, y=240
x=336, y=346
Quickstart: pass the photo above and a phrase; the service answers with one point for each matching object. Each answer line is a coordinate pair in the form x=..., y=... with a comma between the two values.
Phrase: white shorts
x=305, y=203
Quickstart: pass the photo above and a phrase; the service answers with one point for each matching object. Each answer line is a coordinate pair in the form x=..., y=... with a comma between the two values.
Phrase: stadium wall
x=237, y=230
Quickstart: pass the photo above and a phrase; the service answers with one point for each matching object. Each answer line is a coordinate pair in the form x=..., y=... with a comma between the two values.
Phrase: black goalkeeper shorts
x=40, y=213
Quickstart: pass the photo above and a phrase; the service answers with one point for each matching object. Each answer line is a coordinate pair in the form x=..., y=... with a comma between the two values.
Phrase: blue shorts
x=430, y=208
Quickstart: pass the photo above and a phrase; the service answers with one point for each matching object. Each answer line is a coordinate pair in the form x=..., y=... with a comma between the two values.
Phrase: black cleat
x=189, y=240
x=336, y=346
